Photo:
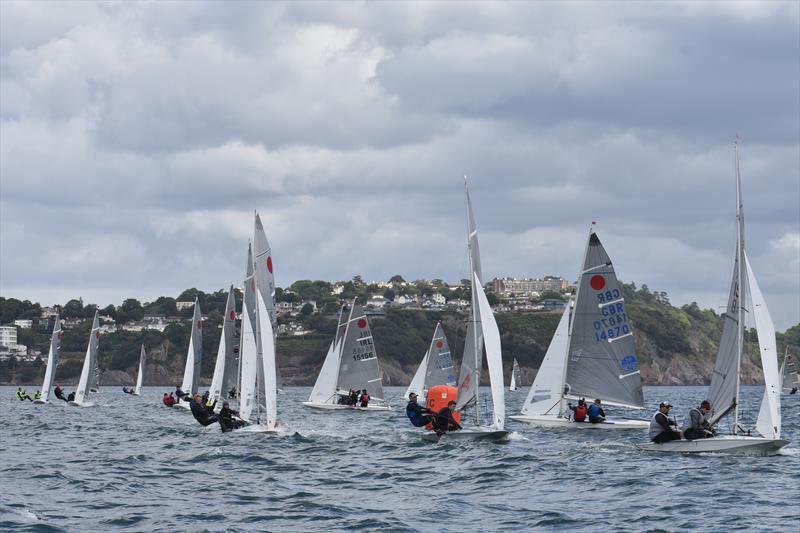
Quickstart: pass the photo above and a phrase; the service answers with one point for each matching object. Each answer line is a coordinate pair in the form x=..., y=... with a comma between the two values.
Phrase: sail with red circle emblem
x=265, y=278
x=601, y=357
x=358, y=365
x=436, y=367
x=225, y=367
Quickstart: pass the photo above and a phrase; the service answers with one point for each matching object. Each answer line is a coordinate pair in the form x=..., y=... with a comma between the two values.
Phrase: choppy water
x=131, y=464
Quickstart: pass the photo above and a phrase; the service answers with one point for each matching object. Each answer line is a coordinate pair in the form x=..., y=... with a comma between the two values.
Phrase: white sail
x=140, y=376
x=194, y=357
x=82, y=392
x=544, y=396
x=222, y=381
x=790, y=378
x=52, y=360
x=494, y=357
x=266, y=347
x=769, y=415
x=265, y=278
x=324, y=390
x=248, y=359
x=513, y=386
x=417, y=385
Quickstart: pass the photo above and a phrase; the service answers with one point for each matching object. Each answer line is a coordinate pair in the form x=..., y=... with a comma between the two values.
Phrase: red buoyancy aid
x=580, y=413
x=365, y=398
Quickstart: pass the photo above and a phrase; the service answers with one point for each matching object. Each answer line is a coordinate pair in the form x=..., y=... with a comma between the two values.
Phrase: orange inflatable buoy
x=438, y=397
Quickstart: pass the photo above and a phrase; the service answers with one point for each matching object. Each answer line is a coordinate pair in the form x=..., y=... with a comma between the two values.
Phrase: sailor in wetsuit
x=71, y=397
x=59, y=393
x=419, y=416
x=226, y=418
x=445, y=420
x=200, y=413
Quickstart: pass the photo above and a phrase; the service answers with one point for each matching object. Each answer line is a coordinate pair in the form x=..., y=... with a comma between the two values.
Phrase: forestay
x=52, y=359
x=194, y=357
x=225, y=366
x=602, y=360
x=88, y=370
x=358, y=367
x=544, y=395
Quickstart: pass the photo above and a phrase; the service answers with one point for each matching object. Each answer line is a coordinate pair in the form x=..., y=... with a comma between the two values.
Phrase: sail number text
x=614, y=322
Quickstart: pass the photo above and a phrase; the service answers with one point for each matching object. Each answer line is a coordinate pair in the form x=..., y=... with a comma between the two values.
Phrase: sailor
x=168, y=400
x=419, y=416
x=364, y=399
x=200, y=413
x=226, y=420
x=445, y=420
x=59, y=393
x=71, y=397
x=179, y=393
x=579, y=411
x=696, y=425
x=660, y=430
x=37, y=395
x=596, y=413
x=22, y=395
x=353, y=397
x=232, y=393
x=793, y=391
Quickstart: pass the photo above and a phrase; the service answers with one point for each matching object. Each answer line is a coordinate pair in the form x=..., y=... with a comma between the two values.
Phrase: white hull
x=737, y=445
x=337, y=407
x=81, y=404
x=183, y=405
x=256, y=429
x=40, y=402
x=468, y=434
x=550, y=421
x=134, y=394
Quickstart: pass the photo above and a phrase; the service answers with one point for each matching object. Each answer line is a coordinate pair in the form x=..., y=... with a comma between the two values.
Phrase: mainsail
x=515, y=376
x=52, y=359
x=89, y=362
x=469, y=377
x=265, y=278
x=324, y=390
x=436, y=367
x=790, y=377
x=602, y=359
x=358, y=364
x=224, y=370
x=140, y=376
x=266, y=371
x=194, y=357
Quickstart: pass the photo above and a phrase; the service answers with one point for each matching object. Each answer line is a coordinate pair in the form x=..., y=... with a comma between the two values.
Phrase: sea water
x=130, y=464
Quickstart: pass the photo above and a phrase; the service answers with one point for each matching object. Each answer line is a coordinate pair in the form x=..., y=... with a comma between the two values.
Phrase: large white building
x=8, y=336
x=526, y=286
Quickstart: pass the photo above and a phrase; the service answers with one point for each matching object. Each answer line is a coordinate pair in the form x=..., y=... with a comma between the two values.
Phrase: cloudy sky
x=137, y=139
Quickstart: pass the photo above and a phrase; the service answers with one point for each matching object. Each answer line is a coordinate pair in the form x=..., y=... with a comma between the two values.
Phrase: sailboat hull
x=256, y=428
x=735, y=445
x=336, y=407
x=39, y=402
x=468, y=434
x=81, y=404
x=549, y=421
x=183, y=405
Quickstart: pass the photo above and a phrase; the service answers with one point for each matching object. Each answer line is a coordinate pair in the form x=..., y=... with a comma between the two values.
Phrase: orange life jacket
x=580, y=413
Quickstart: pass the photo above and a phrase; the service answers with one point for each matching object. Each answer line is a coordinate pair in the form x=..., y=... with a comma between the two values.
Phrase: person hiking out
x=418, y=415
x=660, y=430
x=596, y=413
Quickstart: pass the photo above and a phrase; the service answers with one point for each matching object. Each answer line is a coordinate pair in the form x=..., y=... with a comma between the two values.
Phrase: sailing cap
x=665, y=404
x=412, y=394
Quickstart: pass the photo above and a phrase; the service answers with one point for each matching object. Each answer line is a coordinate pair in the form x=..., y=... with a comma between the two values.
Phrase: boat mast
x=477, y=372
x=740, y=287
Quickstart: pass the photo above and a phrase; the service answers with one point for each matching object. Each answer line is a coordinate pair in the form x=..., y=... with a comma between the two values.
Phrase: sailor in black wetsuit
x=71, y=397
x=201, y=414
x=59, y=393
x=419, y=416
x=445, y=421
x=226, y=420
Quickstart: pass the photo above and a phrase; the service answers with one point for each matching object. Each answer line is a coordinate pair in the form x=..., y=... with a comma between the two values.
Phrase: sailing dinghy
x=482, y=333
x=137, y=391
x=257, y=359
x=515, y=377
x=351, y=363
x=790, y=378
x=436, y=367
x=89, y=366
x=591, y=355
x=194, y=359
x=52, y=361
x=745, y=301
x=225, y=367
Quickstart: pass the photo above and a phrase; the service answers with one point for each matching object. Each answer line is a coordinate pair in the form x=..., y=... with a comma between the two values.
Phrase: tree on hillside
x=389, y=294
x=73, y=309
x=163, y=306
x=130, y=310
x=396, y=279
x=188, y=295
x=306, y=310
x=492, y=299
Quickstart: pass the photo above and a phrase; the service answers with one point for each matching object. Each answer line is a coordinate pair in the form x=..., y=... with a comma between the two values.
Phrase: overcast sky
x=137, y=139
